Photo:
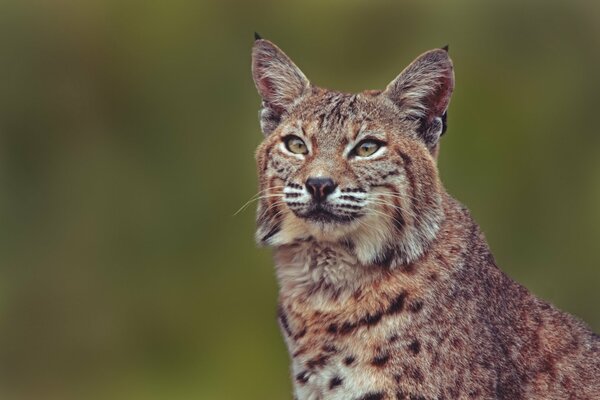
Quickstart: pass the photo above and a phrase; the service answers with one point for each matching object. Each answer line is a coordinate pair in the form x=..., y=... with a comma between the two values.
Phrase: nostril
x=328, y=188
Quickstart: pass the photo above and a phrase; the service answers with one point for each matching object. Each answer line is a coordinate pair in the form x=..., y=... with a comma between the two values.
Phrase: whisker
x=256, y=199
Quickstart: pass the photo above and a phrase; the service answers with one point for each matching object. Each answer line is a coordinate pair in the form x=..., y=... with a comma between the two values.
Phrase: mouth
x=321, y=214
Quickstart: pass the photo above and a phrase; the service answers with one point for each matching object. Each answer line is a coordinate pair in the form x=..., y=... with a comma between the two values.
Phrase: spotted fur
x=388, y=289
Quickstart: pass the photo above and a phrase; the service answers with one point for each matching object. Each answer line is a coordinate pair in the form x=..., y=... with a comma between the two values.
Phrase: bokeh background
x=127, y=133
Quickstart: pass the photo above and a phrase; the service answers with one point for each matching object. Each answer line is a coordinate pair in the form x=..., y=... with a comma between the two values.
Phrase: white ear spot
x=437, y=126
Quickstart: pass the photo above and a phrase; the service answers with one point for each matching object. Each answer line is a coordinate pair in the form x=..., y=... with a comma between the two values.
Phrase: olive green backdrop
x=127, y=133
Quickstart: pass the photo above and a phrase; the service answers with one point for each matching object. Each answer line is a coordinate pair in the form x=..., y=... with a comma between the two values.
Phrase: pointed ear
x=278, y=81
x=422, y=92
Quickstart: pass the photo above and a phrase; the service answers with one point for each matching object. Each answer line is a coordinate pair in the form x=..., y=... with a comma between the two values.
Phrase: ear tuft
x=422, y=92
x=257, y=36
x=279, y=82
x=446, y=48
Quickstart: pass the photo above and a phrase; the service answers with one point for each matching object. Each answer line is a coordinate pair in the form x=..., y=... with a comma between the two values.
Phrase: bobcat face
x=352, y=168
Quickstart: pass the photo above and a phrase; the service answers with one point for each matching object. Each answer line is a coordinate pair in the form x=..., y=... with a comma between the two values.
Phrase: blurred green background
x=127, y=133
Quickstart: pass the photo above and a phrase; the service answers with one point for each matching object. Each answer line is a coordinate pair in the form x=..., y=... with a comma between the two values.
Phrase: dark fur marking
x=415, y=347
x=335, y=382
x=386, y=175
x=385, y=258
x=397, y=304
x=380, y=360
x=298, y=352
x=415, y=306
x=407, y=161
x=302, y=377
x=399, y=222
x=284, y=321
x=372, y=396
x=347, y=327
x=407, y=268
x=349, y=360
x=329, y=348
x=318, y=361
x=369, y=320
x=400, y=395
x=272, y=232
x=300, y=334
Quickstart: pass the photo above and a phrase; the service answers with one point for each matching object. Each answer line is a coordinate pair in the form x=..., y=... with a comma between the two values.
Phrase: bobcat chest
x=340, y=366
x=348, y=354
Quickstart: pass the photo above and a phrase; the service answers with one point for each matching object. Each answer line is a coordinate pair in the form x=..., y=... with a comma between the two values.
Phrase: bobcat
x=388, y=289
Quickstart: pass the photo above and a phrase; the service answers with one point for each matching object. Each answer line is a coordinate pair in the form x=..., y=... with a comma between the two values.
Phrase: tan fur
x=395, y=295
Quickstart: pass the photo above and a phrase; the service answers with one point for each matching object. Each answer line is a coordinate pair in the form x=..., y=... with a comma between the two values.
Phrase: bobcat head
x=357, y=169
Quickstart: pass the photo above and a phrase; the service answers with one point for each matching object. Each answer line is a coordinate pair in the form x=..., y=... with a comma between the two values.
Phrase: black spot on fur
x=302, y=377
x=385, y=258
x=372, y=396
x=397, y=304
x=389, y=173
x=335, y=382
x=347, y=327
x=369, y=320
x=300, y=334
x=415, y=347
x=318, y=362
x=349, y=360
x=380, y=360
x=372, y=319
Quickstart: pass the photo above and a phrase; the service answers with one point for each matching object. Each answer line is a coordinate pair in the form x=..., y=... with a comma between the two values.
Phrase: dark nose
x=320, y=188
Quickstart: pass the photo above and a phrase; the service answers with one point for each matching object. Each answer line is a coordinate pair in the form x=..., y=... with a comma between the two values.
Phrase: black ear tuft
x=446, y=47
x=257, y=36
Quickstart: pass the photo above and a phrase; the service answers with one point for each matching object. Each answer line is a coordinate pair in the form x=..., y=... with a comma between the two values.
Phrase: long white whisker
x=256, y=199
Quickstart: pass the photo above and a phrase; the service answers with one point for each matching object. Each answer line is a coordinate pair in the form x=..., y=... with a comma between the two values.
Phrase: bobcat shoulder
x=388, y=289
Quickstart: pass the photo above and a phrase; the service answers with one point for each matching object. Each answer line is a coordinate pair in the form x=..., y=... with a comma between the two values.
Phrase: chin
x=326, y=226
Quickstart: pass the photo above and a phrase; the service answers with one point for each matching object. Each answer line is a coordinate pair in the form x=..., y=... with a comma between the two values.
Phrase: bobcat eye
x=366, y=148
x=295, y=145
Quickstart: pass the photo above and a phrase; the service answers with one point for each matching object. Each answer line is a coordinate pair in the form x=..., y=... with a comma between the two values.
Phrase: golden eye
x=295, y=145
x=367, y=148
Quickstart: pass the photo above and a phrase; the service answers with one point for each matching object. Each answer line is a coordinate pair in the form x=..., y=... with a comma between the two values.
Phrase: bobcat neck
x=328, y=275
